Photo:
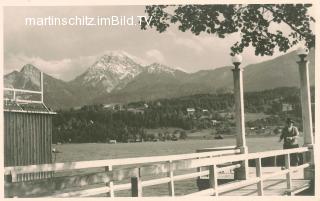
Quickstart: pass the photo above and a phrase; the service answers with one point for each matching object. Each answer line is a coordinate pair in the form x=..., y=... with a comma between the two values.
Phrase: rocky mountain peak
x=111, y=70
x=29, y=68
x=159, y=68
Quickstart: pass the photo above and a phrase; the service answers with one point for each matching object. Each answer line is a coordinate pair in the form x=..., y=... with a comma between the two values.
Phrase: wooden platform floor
x=272, y=187
x=275, y=187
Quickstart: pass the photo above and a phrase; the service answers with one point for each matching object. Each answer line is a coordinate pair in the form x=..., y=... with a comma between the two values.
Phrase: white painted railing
x=259, y=179
x=15, y=91
x=121, y=169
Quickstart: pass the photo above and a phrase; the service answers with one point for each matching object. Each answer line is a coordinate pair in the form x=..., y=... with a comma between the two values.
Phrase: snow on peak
x=120, y=54
x=110, y=70
x=116, y=63
x=159, y=68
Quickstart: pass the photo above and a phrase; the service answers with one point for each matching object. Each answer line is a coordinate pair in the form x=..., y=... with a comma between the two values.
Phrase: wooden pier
x=104, y=174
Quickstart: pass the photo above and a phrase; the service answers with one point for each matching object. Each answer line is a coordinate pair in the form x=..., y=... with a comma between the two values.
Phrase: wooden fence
x=135, y=169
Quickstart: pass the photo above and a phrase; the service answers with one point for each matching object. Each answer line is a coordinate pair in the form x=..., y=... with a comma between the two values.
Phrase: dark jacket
x=286, y=135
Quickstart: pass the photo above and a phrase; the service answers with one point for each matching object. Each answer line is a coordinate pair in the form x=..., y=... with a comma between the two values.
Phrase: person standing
x=289, y=136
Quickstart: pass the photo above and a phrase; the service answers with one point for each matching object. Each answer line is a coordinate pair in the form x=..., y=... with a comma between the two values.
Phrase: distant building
x=136, y=110
x=191, y=111
x=286, y=107
x=113, y=106
x=206, y=113
x=214, y=122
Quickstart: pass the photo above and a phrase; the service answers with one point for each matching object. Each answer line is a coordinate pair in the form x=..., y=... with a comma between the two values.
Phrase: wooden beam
x=213, y=178
x=82, y=193
x=136, y=186
x=171, y=182
x=288, y=175
x=259, y=175
x=23, y=90
x=113, y=162
x=109, y=184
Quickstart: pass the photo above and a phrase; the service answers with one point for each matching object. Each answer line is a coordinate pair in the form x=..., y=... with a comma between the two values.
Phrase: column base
x=243, y=149
x=308, y=173
x=308, y=157
x=242, y=173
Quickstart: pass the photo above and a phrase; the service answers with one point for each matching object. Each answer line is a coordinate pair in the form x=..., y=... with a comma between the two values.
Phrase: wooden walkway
x=272, y=187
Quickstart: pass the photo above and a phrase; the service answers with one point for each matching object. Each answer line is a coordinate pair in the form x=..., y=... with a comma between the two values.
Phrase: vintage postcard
x=148, y=99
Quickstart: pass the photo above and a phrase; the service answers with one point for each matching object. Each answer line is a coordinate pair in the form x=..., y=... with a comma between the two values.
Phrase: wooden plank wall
x=27, y=140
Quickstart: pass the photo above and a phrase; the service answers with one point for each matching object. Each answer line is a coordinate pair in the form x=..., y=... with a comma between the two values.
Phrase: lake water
x=99, y=151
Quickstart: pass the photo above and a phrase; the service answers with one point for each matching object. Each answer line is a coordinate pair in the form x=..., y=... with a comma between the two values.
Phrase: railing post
x=213, y=179
x=136, y=185
x=110, y=193
x=199, y=169
x=288, y=175
x=171, y=183
x=242, y=172
x=259, y=175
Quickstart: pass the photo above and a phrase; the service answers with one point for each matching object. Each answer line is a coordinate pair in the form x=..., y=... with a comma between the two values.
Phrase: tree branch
x=285, y=21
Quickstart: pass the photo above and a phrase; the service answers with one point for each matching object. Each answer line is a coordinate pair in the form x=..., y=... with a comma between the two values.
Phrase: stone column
x=242, y=172
x=306, y=110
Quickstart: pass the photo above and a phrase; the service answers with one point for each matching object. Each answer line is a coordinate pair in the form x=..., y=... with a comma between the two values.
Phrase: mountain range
x=118, y=78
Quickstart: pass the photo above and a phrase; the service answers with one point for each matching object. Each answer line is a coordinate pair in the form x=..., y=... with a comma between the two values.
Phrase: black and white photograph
x=192, y=100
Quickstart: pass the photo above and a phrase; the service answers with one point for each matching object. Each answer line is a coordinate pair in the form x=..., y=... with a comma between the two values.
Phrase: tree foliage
x=96, y=124
x=255, y=22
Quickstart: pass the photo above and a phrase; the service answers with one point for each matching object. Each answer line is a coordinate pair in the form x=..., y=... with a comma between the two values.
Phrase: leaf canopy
x=253, y=21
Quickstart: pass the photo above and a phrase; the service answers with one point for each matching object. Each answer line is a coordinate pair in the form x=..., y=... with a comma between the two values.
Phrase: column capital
x=303, y=62
x=237, y=69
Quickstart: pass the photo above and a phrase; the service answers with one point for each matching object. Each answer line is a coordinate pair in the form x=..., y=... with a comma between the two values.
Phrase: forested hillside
x=98, y=123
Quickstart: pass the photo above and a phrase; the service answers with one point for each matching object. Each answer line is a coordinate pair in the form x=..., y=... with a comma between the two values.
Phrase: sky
x=65, y=52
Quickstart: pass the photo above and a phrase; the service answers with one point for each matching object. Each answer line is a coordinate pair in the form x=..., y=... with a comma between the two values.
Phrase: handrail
x=23, y=90
x=14, y=90
x=177, y=162
x=241, y=157
x=113, y=162
x=127, y=186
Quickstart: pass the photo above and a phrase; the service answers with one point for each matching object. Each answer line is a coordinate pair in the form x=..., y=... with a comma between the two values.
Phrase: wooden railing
x=15, y=91
x=114, y=170
x=259, y=178
x=121, y=169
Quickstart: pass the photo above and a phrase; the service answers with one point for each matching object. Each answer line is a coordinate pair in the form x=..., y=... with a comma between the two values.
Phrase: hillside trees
x=95, y=124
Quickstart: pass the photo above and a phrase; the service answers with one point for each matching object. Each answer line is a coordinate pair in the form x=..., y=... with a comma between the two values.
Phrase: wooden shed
x=27, y=134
